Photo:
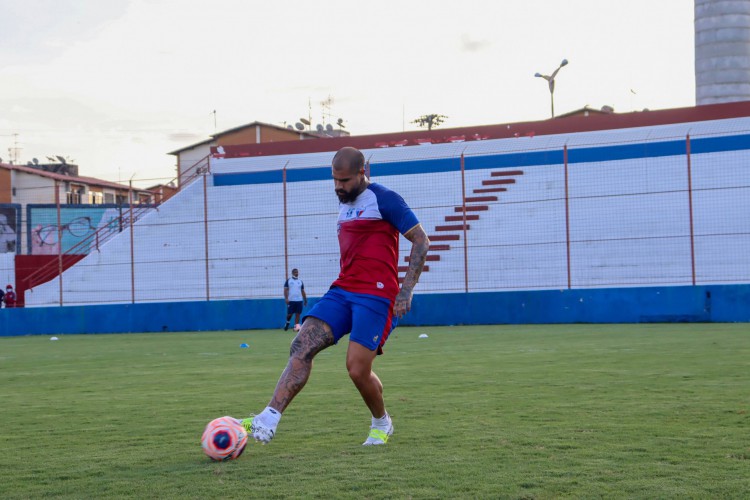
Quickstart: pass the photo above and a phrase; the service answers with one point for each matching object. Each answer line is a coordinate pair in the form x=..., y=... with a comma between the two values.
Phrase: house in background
x=588, y=111
x=193, y=160
x=53, y=184
x=162, y=192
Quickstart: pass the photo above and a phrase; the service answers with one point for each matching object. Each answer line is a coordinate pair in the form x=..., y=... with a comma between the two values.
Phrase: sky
x=115, y=85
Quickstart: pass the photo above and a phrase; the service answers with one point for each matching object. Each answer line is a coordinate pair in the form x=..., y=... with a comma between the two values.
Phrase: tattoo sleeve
x=420, y=243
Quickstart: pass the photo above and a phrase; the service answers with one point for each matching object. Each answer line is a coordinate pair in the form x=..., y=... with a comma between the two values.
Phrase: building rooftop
x=578, y=122
x=90, y=181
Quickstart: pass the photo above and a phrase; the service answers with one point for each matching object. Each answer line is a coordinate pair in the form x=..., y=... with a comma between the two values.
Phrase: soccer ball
x=224, y=439
x=297, y=327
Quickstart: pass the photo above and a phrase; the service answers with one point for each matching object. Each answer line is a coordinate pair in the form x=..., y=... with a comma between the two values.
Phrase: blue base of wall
x=713, y=303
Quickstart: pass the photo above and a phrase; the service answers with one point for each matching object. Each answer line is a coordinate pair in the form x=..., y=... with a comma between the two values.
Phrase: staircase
x=443, y=235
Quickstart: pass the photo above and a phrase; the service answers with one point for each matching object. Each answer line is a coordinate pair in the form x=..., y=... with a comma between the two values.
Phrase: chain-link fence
x=587, y=211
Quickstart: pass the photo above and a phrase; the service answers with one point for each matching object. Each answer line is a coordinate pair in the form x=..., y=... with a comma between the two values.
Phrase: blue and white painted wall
x=603, y=226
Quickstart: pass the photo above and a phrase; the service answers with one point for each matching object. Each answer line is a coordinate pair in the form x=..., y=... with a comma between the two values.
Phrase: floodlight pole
x=551, y=83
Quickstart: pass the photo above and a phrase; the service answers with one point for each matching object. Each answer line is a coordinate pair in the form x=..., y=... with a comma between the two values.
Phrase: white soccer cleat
x=379, y=436
x=258, y=431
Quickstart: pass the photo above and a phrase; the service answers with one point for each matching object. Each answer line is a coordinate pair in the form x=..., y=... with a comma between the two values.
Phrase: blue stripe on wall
x=265, y=177
x=432, y=166
x=627, y=151
x=527, y=159
x=719, y=144
x=510, y=160
x=710, y=303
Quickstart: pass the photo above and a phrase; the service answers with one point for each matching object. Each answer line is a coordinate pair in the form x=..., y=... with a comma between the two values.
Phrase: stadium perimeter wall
x=715, y=303
x=650, y=224
x=651, y=207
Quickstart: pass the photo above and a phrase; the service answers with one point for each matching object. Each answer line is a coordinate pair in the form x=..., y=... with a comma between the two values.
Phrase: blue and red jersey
x=368, y=230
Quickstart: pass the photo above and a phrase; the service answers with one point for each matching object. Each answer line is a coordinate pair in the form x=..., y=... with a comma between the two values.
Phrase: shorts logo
x=380, y=285
x=375, y=338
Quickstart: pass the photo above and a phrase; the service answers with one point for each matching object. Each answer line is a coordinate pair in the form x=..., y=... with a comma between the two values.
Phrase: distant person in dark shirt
x=295, y=297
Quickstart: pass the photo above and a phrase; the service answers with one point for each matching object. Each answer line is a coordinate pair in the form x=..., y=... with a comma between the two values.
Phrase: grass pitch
x=578, y=411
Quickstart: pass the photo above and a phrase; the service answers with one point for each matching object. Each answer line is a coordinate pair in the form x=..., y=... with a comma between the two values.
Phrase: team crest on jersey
x=354, y=213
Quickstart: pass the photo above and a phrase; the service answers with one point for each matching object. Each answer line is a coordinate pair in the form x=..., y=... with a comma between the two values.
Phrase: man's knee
x=358, y=371
x=314, y=336
x=359, y=368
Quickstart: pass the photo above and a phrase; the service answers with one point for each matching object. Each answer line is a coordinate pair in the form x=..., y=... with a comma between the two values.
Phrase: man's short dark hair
x=352, y=156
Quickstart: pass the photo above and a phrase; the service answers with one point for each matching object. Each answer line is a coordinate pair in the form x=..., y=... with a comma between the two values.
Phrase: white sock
x=270, y=416
x=382, y=423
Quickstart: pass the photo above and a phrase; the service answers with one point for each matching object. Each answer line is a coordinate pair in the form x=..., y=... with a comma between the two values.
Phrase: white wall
x=7, y=270
x=33, y=189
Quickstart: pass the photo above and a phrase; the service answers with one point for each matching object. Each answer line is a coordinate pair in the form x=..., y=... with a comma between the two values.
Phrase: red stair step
x=506, y=172
x=473, y=208
x=453, y=227
x=479, y=199
x=444, y=237
x=439, y=248
x=493, y=182
x=490, y=190
x=459, y=218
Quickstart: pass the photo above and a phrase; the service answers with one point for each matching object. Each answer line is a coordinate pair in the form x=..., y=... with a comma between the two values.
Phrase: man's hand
x=403, y=303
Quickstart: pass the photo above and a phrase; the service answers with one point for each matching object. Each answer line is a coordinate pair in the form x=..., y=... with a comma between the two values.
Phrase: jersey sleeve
x=286, y=284
x=395, y=211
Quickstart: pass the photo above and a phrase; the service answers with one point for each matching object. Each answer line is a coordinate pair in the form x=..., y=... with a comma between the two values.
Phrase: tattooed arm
x=419, y=245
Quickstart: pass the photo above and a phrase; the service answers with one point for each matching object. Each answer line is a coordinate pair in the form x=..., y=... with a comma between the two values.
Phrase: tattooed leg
x=314, y=336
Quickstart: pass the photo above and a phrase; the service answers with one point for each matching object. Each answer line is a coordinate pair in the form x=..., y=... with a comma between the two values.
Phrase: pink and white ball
x=297, y=327
x=224, y=439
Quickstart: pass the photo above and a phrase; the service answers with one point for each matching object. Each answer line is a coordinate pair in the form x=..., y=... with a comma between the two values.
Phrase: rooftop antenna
x=214, y=113
x=309, y=111
x=13, y=152
x=327, y=104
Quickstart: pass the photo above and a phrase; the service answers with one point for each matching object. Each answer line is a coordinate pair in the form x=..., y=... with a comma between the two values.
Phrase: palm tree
x=432, y=120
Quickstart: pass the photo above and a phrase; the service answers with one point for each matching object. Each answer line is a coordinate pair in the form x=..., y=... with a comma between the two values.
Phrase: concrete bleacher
x=624, y=221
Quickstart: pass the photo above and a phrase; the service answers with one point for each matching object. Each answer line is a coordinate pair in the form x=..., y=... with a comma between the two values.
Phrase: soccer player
x=295, y=297
x=364, y=302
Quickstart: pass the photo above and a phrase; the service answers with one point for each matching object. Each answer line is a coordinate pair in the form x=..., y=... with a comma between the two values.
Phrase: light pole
x=551, y=82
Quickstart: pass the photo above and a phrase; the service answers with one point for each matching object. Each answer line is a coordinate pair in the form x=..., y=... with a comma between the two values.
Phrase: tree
x=429, y=121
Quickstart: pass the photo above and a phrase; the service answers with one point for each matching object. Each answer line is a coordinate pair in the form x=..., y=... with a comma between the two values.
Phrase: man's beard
x=347, y=196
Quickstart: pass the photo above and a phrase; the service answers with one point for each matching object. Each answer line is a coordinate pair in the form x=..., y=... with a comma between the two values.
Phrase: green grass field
x=576, y=411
